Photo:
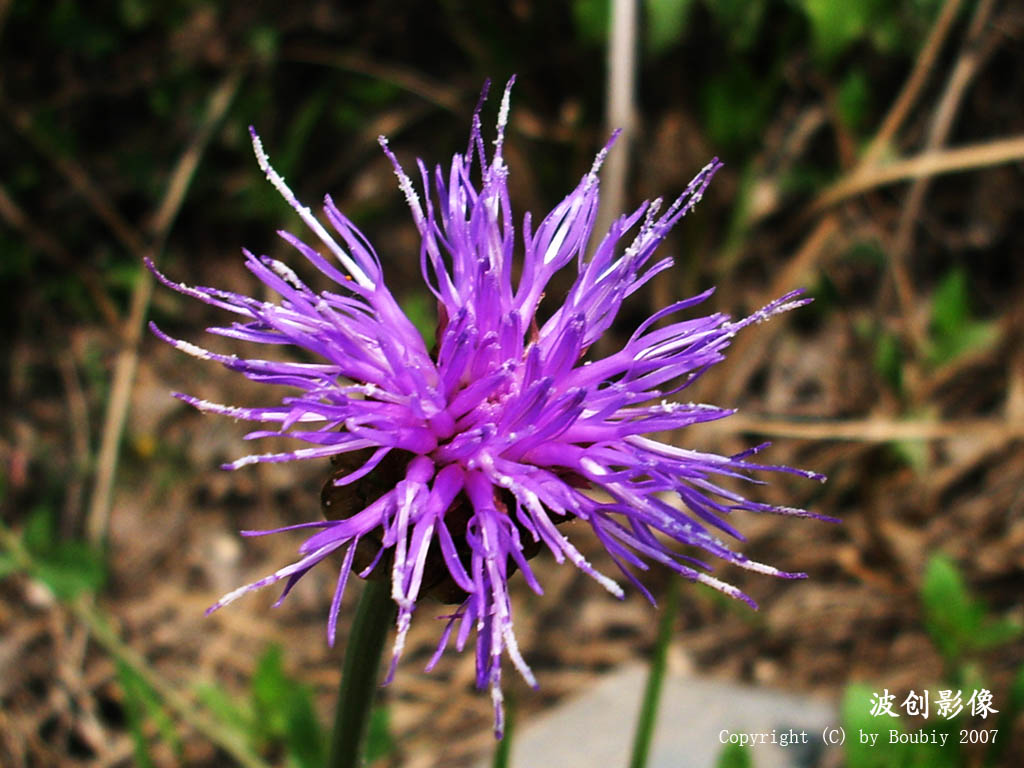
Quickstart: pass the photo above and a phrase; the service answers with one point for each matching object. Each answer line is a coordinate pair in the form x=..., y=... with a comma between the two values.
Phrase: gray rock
x=695, y=716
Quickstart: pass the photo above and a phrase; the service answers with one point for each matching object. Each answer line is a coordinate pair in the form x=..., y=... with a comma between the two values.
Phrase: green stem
x=652, y=693
x=359, y=674
x=503, y=749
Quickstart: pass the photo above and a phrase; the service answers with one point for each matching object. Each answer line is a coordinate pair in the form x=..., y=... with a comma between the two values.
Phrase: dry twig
x=128, y=358
x=900, y=109
x=731, y=378
x=440, y=95
x=923, y=166
x=620, y=110
x=875, y=430
x=967, y=66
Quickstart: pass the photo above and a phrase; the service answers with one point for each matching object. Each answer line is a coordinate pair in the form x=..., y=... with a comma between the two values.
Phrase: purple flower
x=454, y=466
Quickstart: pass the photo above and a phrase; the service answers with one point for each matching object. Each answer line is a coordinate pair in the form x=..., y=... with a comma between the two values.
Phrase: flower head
x=454, y=466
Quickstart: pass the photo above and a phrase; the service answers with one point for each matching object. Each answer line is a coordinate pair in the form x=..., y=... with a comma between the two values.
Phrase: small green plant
x=734, y=756
x=278, y=715
x=957, y=623
x=67, y=567
x=954, y=330
x=869, y=743
x=959, y=627
x=141, y=705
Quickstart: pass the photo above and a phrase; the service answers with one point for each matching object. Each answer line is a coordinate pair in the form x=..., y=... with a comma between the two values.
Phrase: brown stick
x=128, y=357
x=731, y=377
x=870, y=430
x=908, y=95
x=741, y=361
x=923, y=166
x=620, y=112
x=966, y=67
x=409, y=80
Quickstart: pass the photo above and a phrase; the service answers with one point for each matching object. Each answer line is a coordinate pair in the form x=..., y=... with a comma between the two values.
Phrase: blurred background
x=873, y=155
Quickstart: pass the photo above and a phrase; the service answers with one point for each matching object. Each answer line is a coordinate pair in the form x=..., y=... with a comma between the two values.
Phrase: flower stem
x=359, y=674
x=652, y=693
x=503, y=749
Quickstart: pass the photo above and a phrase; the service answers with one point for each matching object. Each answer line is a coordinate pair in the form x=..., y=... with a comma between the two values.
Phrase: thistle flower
x=454, y=466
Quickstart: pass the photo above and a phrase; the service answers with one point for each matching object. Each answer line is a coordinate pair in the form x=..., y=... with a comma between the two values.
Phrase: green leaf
x=269, y=684
x=666, y=21
x=123, y=275
x=270, y=690
x=860, y=725
x=134, y=709
x=1016, y=694
x=853, y=100
x=834, y=26
x=1007, y=718
x=950, y=308
x=866, y=253
x=70, y=568
x=40, y=530
x=734, y=756
x=229, y=710
x=951, y=616
x=283, y=712
x=916, y=454
x=142, y=703
x=378, y=737
x=889, y=360
x=304, y=739
x=735, y=106
x=592, y=19
x=996, y=633
x=264, y=42
x=957, y=622
x=953, y=329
